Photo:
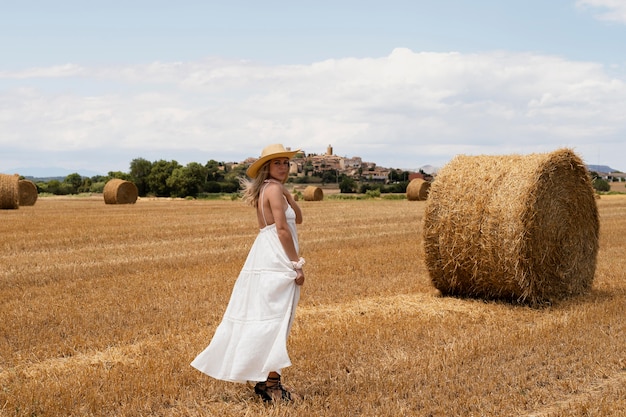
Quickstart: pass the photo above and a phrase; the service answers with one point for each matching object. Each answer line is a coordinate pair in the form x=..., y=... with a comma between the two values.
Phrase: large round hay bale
x=312, y=193
x=9, y=191
x=522, y=228
x=27, y=192
x=417, y=190
x=117, y=191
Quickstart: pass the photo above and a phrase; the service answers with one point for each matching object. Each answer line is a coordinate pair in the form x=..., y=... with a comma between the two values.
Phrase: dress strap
x=263, y=203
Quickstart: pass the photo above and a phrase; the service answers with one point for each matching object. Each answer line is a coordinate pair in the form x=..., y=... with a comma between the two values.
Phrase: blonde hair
x=252, y=188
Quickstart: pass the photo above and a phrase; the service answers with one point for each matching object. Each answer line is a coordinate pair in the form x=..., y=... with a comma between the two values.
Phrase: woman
x=250, y=344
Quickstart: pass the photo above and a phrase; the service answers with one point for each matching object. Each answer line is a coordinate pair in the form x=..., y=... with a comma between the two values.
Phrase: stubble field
x=102, y=308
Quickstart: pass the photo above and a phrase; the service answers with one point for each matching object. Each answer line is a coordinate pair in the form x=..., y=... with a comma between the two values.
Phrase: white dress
x=251, y=340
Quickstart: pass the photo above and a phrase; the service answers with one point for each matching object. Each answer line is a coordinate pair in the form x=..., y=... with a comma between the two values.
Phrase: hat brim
x=254, y=168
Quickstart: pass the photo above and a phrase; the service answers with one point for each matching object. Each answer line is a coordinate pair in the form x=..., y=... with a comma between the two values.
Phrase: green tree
x=232, y=174
x=119, y=175
x=85, y=186
x=139, y=171
x=97, y=186
x=71, y=183
x=229, y=187
x=329, y=176
x=197, y=174
x=397, y=175
x=51, y=187
x=57, y=187
x=157, y=179
x=212, y=187
x=347, y=185
x=187, y=181
x=179, y=183
x=97, y=183
x=600, y=184
x=98, y=178
x=214, y=173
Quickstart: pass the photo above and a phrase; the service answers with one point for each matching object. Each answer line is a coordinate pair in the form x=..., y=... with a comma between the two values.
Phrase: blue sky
x=89, y=86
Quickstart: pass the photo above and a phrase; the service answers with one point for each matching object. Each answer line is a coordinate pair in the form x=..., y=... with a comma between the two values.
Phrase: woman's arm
x=276, y=202
x=274, y=194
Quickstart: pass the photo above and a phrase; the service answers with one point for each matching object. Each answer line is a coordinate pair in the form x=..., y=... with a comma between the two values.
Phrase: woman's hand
x=299, y=277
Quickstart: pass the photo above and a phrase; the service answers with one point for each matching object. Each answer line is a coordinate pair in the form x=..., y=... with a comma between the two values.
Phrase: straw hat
x=269, y=152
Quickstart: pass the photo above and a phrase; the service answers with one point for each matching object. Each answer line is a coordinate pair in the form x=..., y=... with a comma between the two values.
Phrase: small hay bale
x=117, y=191
x=27, y=192
x=9, y=191
x=312, y=193
x=526, y=230
x=417, y=190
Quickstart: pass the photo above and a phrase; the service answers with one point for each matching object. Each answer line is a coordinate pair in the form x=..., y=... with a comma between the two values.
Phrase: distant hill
x=601, y=168
x=44, y=173
x=44, y=179
x=429, y=169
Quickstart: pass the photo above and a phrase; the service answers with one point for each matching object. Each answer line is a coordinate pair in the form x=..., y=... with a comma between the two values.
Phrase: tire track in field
x=587, y=394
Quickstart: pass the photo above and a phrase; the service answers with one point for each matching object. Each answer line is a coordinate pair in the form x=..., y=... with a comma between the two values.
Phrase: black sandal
x=274, y=391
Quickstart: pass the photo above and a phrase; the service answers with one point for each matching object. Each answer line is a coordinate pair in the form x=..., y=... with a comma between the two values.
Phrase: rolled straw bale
x=27, y=192
x=312, y=193
x=9, y=191
x=117, y=191
x=522, y=228
x=417, y=190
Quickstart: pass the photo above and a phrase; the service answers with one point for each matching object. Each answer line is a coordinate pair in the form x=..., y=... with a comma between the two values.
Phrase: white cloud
x=57, y=71
x=612, y=10
x=403, y=110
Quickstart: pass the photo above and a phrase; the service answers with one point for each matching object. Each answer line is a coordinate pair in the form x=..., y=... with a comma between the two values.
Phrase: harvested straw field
x=312, y=193
x=527, y=230
x=417, y=190
x=9, y=192
x=99, y=319
x=117, y=191
x=27, y=193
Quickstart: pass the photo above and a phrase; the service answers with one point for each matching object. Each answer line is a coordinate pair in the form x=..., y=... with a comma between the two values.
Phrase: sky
x=89, y=86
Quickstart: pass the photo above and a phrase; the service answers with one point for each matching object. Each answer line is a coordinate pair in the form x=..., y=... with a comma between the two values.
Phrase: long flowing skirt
x=251, y=340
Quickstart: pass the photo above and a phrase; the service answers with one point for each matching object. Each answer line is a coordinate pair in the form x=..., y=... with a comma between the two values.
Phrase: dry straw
x=9, y=191
x=417, y=190
x=525, y=230
x=117, y=191
x=27, y=193
x=312, y=193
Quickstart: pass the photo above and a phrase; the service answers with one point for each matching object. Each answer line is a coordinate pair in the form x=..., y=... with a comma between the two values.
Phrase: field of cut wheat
x=103, y=307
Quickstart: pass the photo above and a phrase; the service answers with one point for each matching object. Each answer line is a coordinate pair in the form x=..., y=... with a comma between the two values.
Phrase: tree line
x=158, y=178
x=170, y=179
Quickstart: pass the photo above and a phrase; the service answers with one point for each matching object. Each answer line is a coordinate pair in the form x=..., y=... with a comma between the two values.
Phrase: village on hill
x=304, y=164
